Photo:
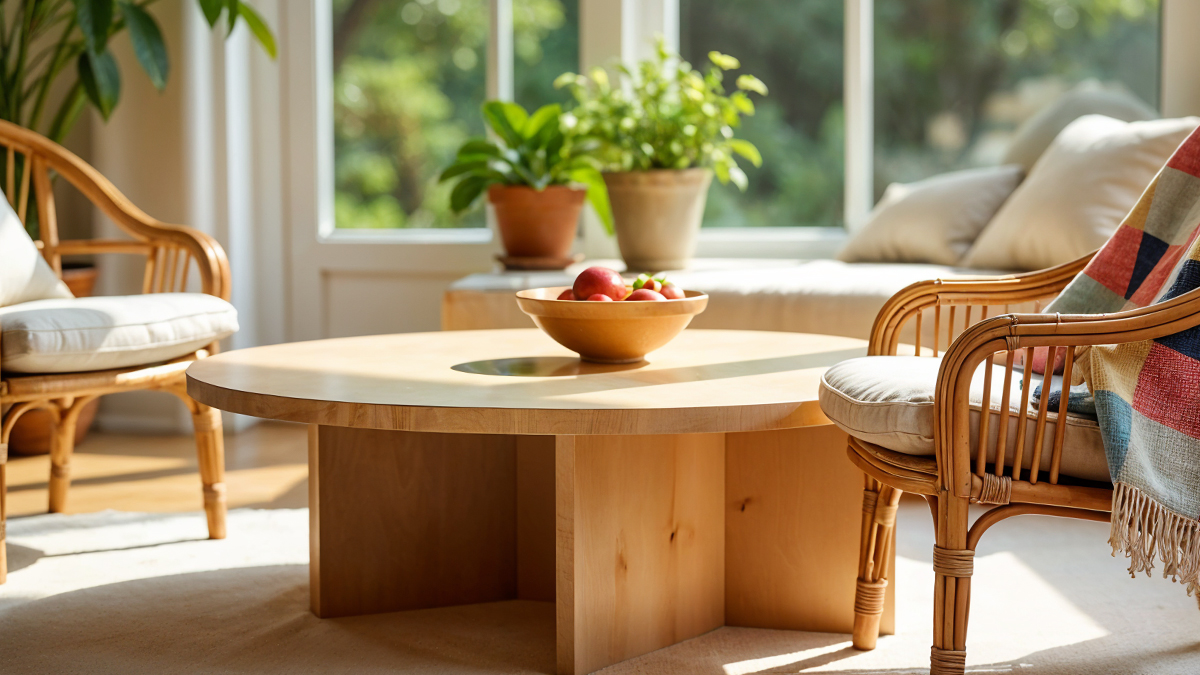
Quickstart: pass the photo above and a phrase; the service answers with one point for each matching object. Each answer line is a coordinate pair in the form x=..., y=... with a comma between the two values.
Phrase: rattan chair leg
x=210, y=450
x=878, y=536
x=62, y=446
x=3, y=515
x=953, y=565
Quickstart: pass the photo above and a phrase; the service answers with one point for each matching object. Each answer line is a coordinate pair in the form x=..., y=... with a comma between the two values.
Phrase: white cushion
x=1039, y=131
x=888, y=401
x=24, y=274
x=934, y=220
x=84, y=334
x=1078, y=192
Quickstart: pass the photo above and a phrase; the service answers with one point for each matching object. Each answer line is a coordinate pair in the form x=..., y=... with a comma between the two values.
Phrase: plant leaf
x=597, y=195
x=101, y=80
x=466, y=192
x=538, y=120
x=259, y=27
x=212, y=11
x=751, y=83
x=147, y=42
x=94, y=18
x=496, y=118
x=459, y=168
x=479, y=146
x=746, y=149
x=233, y=7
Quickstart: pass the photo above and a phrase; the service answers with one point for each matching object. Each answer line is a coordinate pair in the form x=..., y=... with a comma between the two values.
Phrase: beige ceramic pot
x=537, y=224
x=657, y=215
x=610, y=332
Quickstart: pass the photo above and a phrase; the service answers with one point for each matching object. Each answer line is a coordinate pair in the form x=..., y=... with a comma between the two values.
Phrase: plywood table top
x=521, y=382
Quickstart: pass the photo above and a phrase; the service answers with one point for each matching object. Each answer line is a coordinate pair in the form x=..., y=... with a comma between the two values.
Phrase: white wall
x=1181, y=58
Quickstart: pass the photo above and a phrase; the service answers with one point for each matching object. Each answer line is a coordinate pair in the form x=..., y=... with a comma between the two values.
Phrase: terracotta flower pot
x=657, y=215
x=537, y=224
x=31, y=434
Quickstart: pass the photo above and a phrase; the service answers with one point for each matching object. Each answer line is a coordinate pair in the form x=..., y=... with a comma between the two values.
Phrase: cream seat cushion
x=24, y=274
x=888, y=401
x=1078, y=192
x=85, y=334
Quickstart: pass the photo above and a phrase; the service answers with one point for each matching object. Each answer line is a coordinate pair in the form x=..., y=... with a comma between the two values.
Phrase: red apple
x=566, y=295
x=599, y=297
x=600, y=280
x=644, y=294
x=672, y=292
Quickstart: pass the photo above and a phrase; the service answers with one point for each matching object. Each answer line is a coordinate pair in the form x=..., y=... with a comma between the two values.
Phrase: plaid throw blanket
x=1147, y=394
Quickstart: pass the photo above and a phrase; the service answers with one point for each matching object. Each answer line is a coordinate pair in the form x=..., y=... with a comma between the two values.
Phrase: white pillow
x=24, y=274
x=1078, y=192
x=934, y=220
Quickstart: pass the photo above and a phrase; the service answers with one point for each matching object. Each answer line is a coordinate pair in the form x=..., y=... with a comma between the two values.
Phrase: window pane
x=409, y=78
x=795, y=47
x=545, y=45
x=954, y=80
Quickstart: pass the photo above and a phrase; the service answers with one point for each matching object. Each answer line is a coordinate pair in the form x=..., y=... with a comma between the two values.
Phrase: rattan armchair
x=169, y=251
x=957, y=477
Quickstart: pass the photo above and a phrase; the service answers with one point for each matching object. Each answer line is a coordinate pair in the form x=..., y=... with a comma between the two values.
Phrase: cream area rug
x=138, y=594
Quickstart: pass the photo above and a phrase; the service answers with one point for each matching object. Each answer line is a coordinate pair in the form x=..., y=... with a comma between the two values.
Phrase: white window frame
x=611, y=30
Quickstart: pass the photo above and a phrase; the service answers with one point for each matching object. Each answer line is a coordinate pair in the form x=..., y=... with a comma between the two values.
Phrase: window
x=953, y=81
x=409, y=78
x=796, y=48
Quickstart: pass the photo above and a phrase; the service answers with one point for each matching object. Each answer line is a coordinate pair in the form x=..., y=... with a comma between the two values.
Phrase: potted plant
x=534, y=181
x=46, y=41
x=662, y=130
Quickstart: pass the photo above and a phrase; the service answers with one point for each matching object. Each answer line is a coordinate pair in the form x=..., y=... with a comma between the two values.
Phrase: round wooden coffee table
x=651, y=502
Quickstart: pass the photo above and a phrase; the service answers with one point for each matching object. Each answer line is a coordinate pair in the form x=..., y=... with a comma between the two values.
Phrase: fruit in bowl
x=603, y=324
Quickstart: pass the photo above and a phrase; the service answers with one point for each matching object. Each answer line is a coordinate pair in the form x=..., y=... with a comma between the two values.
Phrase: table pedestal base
x=641, y=541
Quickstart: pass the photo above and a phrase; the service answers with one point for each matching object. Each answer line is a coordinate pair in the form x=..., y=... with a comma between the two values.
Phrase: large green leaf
x=101, y=80
x=597, y=194
x=466, y=192
x=259, y=27
x=212, y=11
x=497, y=118
x=147, y=42
x=94, y=18
x=460, y=168
x=539, y=120
x=479, y=146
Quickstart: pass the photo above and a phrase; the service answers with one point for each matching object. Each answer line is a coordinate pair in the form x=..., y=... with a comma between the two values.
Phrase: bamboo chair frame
x=955, y=477
x=170, y=252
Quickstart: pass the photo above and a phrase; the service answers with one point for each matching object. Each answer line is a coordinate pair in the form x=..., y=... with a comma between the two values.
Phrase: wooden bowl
x=610, y=332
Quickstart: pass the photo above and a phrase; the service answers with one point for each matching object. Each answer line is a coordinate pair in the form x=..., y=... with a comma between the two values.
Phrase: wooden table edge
x=511, y=421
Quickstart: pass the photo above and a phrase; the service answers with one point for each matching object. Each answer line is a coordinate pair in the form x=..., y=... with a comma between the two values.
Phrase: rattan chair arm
x=1011, y=332
x=980, y=290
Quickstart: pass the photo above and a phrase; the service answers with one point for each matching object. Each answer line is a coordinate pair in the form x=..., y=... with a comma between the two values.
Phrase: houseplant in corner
x=534, y=181
x=662, y=130
x=54, y=62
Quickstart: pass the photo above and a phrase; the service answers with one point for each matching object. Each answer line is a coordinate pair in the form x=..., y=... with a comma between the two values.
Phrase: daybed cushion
x=1039, y=131
x=24, y=274
x=888, y=401
x=1078, y=192
x=934, y=220
x=85, y=334
x=809, y=296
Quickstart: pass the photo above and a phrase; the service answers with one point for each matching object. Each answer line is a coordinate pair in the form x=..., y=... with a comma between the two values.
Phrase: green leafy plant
x=664, y=114
x=40, y=41
x=529, y=150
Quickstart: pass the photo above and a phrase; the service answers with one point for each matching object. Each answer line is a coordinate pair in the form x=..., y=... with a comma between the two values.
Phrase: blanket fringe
x=1143, y=530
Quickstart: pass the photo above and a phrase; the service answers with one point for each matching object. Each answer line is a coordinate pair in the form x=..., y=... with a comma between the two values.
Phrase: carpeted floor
x=147, y=594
